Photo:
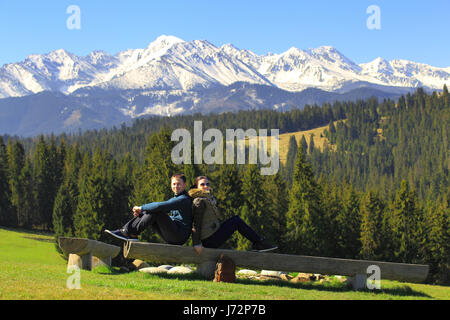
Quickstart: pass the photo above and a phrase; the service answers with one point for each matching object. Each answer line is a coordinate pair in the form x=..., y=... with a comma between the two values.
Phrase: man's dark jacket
x=179, y=208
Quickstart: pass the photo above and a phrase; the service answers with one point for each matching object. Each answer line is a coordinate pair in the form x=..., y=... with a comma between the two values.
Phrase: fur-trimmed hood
x=198, y=193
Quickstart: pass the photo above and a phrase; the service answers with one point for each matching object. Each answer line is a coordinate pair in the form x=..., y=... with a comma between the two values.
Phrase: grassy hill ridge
x=318, y=136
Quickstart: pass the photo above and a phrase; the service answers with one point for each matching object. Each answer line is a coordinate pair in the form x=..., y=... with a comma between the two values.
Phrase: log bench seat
x=357, y=269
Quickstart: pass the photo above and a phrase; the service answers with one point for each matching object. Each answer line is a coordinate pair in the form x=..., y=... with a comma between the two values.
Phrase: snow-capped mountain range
x=62, y=92
x=170, y=63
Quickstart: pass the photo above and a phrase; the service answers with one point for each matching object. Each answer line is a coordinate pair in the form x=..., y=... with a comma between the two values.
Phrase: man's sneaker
x=122, y=235
x=263, y=246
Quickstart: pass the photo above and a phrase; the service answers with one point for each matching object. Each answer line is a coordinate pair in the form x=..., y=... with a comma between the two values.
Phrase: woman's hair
x=198, y=179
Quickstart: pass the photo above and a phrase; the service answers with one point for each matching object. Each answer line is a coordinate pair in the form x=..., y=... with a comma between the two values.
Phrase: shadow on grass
x=27, y=231
x=105, y=270
x=40, y=239
x=335, y=286
x=332, y=286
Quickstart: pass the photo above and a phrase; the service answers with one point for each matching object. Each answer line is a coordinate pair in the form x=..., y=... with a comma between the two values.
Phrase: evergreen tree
x=57, y=155
x=18, y=187
x=227, y=190
x=276, y=208
x=305, y=233
x=406, y=224
x=25, y=210
x=303, y=145
x=66, y=200
x=332, y=132
x=311, y=143
x=153, y=179
x=253, y=210
x=94, y=200
x=446, y=96
x=119, y=190
x=290, y=159
x=124, y=188
x=62, y=218
x=349, y=222
x=436, y=247
x=5, y=195
x=372, y=213
x=190, y=173
x=44, y=183
x=333, y=210
x=60, y=161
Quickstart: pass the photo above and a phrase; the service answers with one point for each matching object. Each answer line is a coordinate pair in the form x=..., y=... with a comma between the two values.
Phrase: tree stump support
x=86, y=253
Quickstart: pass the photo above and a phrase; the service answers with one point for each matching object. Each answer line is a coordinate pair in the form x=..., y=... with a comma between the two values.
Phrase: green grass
x=31, y=268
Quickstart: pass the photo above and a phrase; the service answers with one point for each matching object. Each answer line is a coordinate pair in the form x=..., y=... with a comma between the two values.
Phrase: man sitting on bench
x=171, y=219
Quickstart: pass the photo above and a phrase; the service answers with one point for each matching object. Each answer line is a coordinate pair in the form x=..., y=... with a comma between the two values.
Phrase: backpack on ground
x=225, y=270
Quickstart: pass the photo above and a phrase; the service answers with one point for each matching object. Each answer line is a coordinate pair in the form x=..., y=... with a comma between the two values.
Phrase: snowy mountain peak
x=330, y=55
x=329, y=52
x=230, y=47
x=232, y=50
x=170, y=63
x=61, y=56
x=59, y=53
x=404, y=73
x=99, y=57
x=377, y=65
x=204, y=44
x=165, y=41
x=326, y=49
x=293, y=51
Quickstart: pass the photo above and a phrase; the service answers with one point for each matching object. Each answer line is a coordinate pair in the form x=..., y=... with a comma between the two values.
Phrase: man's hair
x=179, y=176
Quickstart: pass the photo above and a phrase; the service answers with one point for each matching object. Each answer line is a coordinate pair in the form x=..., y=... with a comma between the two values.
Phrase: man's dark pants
x=169, y=230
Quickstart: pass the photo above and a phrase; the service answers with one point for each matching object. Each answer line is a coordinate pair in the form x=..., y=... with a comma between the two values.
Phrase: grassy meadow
x=31, y=268
x=319, y=140
x=318, y=136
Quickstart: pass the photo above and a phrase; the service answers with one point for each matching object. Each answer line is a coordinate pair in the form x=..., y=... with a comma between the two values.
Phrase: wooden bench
x=357, y=269
x=87, y=253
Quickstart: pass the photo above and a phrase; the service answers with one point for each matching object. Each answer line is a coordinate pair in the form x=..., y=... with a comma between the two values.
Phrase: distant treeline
x=379, y=190
x=132, y=139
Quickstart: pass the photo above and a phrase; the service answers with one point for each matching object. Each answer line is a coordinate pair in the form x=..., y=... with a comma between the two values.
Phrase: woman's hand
x=198, y=249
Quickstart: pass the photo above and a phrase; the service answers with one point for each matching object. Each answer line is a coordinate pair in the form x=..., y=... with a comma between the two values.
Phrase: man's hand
x=137, y=211
x=198, y=249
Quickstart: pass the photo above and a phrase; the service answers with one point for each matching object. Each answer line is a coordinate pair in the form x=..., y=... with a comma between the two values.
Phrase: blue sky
x=412, y=30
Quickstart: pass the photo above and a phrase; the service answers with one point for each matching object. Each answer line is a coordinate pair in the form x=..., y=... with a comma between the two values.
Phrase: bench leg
x=206, y=269
x=83, y=262
x=358, y=282
x=101, y=261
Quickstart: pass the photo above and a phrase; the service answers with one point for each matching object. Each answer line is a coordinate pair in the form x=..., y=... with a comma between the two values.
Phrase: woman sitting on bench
x=207, y=229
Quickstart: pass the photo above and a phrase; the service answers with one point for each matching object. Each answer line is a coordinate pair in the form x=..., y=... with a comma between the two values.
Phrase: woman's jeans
x=227, y=229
